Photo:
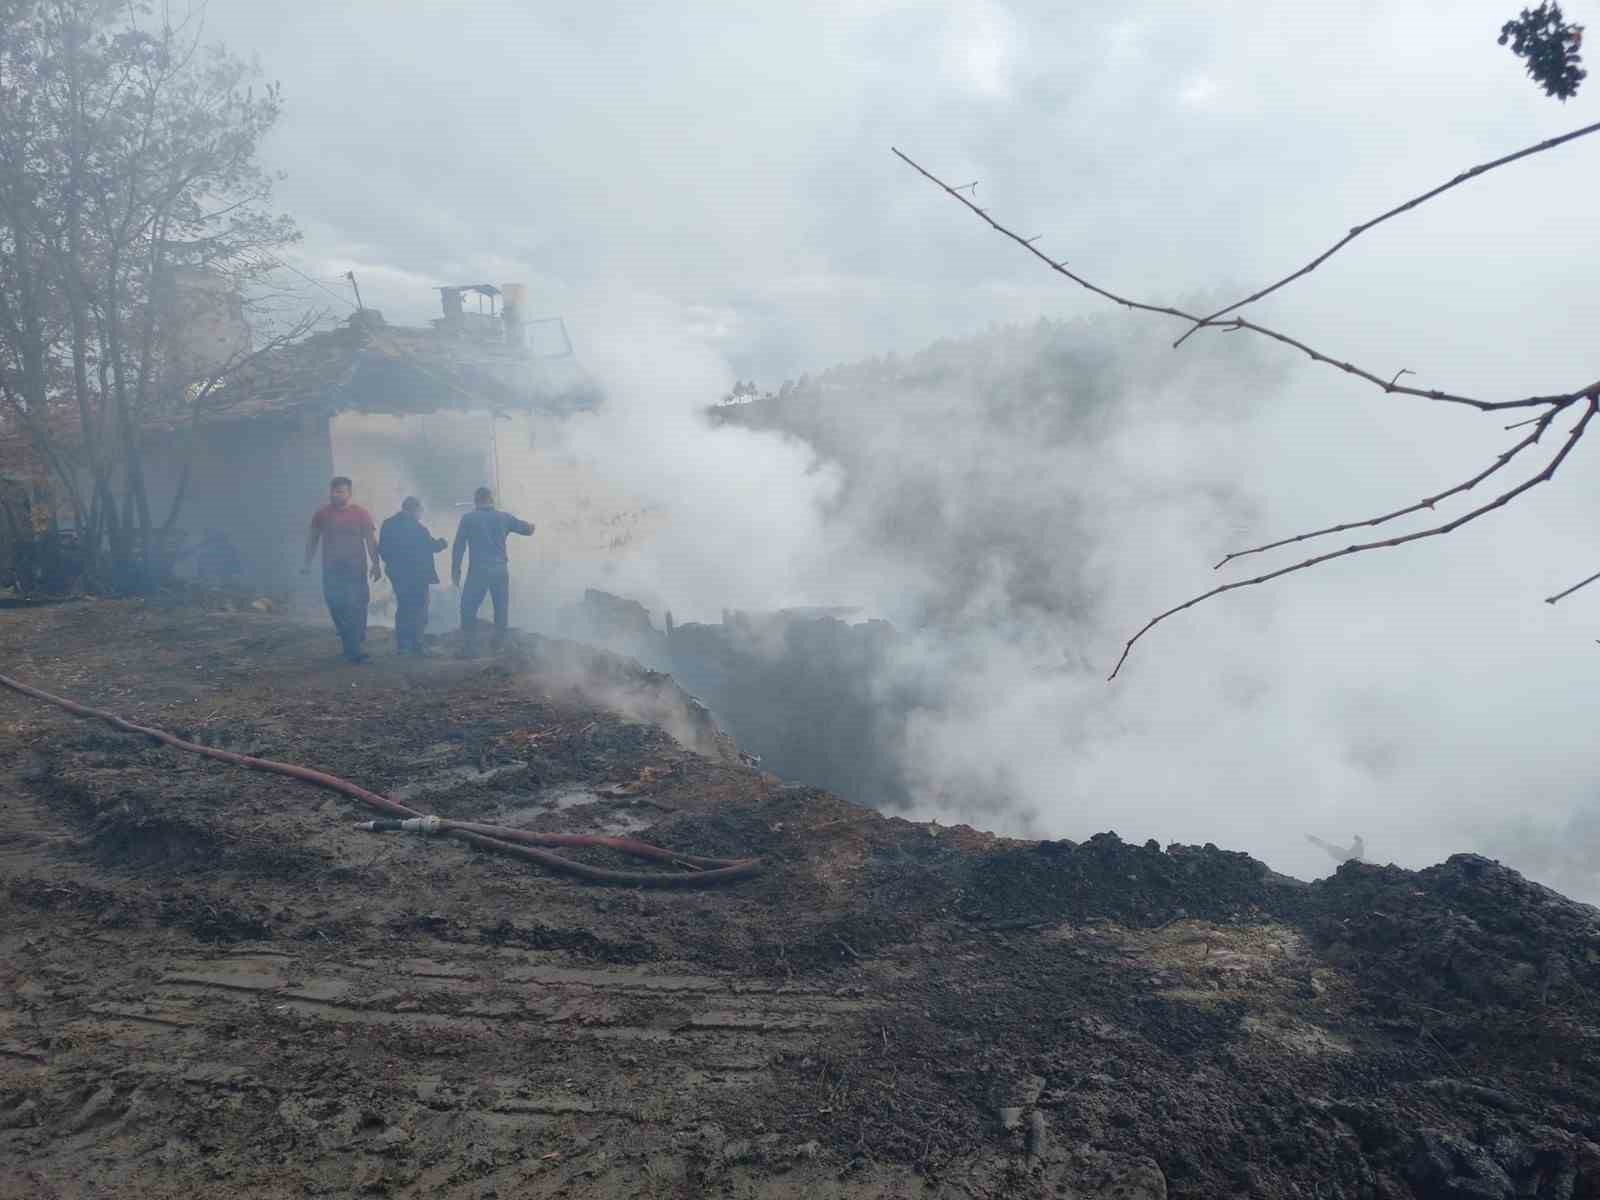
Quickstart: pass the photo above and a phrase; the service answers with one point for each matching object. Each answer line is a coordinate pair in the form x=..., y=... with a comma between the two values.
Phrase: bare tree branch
x=1543, y=423
x=1575, y=587
x=1389, y=385
x=1415, y=201
x=1499, y=501
x=1027, y=245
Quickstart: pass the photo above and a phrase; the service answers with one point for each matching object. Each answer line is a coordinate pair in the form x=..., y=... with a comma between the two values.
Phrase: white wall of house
x=582, y=520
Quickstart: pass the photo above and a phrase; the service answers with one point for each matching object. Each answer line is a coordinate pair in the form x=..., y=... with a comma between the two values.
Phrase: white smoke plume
x=1020, y=502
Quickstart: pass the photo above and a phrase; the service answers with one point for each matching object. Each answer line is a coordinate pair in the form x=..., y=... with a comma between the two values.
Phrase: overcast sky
x=733, y=160
x=727, y=167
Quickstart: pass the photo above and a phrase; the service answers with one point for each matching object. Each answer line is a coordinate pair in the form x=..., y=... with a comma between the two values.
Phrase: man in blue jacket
x=408, y=548
x=483, y=531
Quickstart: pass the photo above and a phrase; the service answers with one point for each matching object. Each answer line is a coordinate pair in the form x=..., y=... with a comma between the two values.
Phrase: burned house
x=425, y=412
x=432, y=412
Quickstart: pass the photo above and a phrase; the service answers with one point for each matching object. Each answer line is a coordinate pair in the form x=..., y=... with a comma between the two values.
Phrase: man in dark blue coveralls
x=408, y=549
x=483, y=531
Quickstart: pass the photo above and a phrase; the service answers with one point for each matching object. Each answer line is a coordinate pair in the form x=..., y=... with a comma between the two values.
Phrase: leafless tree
x=1570, y=412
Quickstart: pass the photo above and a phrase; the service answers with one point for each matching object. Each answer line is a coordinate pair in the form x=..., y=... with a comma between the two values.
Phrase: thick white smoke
x=705, y=518
x=1421, y=697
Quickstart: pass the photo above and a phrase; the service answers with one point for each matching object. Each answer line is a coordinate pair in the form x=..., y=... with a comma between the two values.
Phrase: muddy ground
x=214, y=985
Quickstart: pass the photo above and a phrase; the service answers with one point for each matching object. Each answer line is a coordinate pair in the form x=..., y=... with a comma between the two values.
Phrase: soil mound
x=1468, y=930
x=1138, y=886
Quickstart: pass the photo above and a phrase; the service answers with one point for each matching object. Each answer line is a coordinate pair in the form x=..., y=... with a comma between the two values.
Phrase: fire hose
x=700, y=872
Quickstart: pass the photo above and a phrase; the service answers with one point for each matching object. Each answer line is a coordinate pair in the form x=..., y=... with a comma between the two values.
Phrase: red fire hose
x=701, y=872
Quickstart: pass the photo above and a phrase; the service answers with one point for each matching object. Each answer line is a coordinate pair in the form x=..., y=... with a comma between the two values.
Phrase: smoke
x=656, y=504
x=1019, y=502
x=615, y=683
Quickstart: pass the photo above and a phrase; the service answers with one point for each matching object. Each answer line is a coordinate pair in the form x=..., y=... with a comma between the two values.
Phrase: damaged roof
x=366, y=366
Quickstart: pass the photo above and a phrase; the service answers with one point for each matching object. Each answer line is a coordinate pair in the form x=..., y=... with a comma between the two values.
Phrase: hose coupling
x=423, y=825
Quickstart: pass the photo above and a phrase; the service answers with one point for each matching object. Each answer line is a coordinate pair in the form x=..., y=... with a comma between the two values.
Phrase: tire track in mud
x=542, y=1001
x=705, y=1033
x=425, y=1075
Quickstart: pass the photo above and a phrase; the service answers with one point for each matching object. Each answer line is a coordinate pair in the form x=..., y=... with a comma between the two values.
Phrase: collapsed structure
x=799, y=688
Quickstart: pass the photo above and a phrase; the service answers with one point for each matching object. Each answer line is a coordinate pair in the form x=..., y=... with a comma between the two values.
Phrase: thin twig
x=1040, y=255
x=1389, y=385
x=1500, y=462
x=1575, y=587
x=1357, y=231
x=1499, y=501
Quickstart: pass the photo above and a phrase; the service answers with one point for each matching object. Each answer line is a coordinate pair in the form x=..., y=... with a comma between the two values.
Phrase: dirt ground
x=214, y=985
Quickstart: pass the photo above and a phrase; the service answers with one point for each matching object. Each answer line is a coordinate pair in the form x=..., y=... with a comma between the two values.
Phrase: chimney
x=450, y=298
x=202, y=322
x=513, y=300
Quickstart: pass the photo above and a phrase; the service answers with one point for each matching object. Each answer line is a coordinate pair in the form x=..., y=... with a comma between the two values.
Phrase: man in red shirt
x=349, y=541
